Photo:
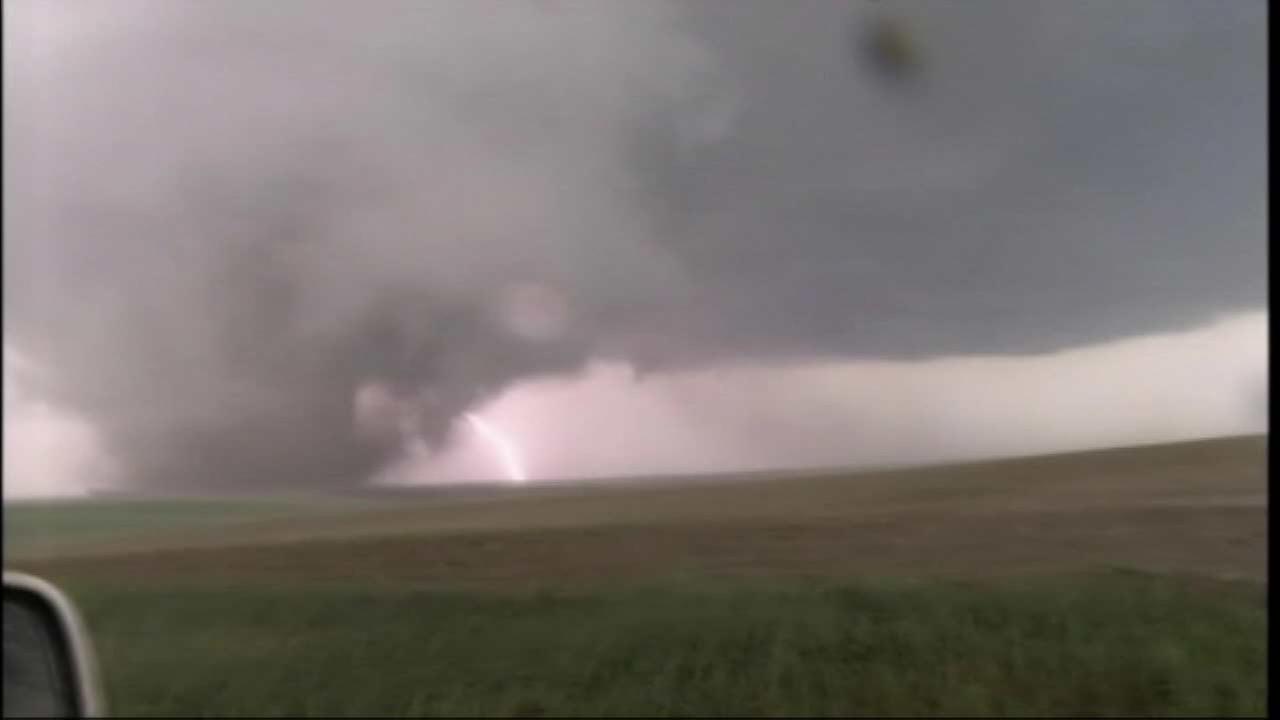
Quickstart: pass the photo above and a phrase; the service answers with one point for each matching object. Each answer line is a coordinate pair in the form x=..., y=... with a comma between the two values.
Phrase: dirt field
x=1190, y=508
x=1128, y=582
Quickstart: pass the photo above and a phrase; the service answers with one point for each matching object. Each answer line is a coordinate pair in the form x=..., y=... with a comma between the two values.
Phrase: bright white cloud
x=1206, y=382
x=607, y=422
x=48, y=451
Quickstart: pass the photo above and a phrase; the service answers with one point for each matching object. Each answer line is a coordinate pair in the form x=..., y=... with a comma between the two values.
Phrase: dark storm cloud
x=1050, y=174
x=221, y=218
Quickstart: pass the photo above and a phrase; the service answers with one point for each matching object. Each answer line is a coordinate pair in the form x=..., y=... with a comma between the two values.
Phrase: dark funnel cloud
x=223, y=219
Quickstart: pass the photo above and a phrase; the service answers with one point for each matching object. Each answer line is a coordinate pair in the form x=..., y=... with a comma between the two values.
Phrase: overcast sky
x=638, y=237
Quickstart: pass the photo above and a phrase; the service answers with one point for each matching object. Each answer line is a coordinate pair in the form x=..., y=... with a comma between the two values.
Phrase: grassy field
x=61, y=526
x=1127, y=582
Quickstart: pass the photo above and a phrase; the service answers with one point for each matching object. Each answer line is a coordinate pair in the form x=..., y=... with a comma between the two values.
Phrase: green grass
x=40, y=527
x=34, y=526
x=1109, y=644
x=978, y=589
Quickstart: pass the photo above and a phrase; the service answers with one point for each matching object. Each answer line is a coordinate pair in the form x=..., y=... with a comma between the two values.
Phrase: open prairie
x=1128, y=581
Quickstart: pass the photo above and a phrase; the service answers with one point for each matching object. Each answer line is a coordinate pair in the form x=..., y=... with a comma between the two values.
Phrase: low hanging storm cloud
x=226, y=222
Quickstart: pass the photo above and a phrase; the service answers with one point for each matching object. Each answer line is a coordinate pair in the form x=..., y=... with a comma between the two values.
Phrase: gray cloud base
x=221, y=218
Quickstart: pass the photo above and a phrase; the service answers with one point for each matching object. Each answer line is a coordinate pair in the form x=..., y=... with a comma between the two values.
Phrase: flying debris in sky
x=889, y=49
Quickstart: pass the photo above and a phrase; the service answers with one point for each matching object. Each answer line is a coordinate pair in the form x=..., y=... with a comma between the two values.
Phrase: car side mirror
x=49, y=667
